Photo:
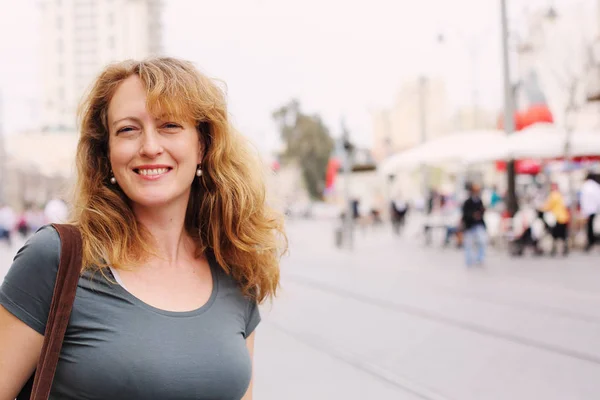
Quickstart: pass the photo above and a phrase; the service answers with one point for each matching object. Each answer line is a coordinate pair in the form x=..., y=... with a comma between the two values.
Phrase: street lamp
x=422, y=90
x=509, y=111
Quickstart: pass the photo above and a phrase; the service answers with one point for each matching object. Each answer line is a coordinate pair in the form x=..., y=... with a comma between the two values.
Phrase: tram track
x=442, y=319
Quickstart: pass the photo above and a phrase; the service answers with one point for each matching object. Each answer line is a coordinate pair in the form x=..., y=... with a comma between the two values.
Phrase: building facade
x=399, y=127
x=32, y=173
x=79, y=37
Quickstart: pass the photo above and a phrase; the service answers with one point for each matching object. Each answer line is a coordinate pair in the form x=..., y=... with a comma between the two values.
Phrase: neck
x=166, y=225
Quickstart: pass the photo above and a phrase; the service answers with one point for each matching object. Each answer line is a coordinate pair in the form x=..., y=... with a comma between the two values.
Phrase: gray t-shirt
x=118, y=347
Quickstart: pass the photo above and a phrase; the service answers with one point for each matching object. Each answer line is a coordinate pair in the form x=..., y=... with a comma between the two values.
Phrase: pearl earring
x=113, y=180
x=199, y=172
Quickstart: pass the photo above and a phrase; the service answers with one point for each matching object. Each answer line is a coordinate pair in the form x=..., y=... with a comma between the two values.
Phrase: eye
x=171, y=125
x=125, y=129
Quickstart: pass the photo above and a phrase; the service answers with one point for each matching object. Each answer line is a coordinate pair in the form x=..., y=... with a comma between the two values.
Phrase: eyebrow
x=163, y=117
x=125, y=119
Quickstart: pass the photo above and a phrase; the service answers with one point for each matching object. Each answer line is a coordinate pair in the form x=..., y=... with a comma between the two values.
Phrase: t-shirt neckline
x=203, y=308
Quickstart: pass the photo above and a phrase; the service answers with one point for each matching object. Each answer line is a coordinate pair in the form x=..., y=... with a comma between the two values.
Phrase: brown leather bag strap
x=67, y=277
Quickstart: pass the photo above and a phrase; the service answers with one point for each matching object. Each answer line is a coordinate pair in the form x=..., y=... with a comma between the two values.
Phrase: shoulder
x=41, y=251
x=37, y=260
x=230, y=289
x=28, y=286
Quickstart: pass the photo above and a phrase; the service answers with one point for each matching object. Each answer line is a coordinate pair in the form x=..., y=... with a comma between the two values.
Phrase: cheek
x=119, y=156
x=189, y=152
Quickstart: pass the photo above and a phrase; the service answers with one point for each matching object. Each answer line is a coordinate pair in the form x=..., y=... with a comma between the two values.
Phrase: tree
x=307, y=143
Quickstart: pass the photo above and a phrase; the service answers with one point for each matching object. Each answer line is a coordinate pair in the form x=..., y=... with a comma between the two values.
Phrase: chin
x=153, y=199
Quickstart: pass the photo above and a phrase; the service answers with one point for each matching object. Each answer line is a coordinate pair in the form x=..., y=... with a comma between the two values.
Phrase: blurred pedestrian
x=179, y=247
x=8, y=220
x=555, y=204
x=495, y=198
x=398, y=210
x=35, y=218
x=22, y=226
x=590, y=207
x=475, y=235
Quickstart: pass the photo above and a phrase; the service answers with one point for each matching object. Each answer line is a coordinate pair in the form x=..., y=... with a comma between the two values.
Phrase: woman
x=179, y=247
x=555, y=204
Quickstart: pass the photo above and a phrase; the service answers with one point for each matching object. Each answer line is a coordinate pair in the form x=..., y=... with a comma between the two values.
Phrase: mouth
x=152, y=172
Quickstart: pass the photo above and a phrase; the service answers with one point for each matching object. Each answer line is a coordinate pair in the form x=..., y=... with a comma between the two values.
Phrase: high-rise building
x=79, y=37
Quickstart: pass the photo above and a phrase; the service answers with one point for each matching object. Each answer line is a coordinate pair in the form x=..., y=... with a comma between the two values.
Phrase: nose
x=150, y=146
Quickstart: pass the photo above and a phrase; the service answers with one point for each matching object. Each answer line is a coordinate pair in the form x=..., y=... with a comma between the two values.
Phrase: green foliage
x=307, y=143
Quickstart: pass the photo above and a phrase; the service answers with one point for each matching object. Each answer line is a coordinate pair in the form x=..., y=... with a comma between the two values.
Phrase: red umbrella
x=537, y=113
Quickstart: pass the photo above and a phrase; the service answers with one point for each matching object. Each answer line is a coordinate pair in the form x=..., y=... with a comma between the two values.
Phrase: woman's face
x=153, y=160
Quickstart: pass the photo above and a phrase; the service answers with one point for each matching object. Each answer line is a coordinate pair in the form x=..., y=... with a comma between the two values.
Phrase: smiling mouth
x=151, y=171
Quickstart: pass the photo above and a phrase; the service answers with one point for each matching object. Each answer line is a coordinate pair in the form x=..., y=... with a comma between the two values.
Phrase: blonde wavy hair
x=227, y=214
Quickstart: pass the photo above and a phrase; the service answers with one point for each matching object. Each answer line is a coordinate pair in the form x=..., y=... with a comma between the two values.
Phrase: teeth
x=151, y=172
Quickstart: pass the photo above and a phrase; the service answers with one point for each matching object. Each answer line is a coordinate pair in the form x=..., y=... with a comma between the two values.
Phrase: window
x=111, y=42
x=111, y=19
x=59, y=22
x=59, y=46
x=61, y=70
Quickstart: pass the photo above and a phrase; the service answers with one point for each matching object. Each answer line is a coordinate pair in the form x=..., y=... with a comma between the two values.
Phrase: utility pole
x=423, y=128
x=509, y=111
x=348, y=236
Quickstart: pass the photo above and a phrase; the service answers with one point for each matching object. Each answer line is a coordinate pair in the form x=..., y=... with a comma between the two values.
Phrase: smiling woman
x=179, y=247
x=154, y=160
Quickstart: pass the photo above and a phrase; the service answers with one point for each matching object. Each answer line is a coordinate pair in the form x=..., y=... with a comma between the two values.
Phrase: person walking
x=474, y=230
x=590, y=207
x=179, y=248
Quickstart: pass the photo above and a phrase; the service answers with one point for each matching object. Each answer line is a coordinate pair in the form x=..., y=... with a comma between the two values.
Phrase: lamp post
x=509, y=111
x=423, y=129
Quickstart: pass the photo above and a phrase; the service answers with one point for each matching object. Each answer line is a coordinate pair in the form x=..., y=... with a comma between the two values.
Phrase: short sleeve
x=252, y=318
x=28, y=286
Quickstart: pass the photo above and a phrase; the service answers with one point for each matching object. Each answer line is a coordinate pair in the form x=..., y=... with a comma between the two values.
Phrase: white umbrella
x=544, y=141
x=585, y=144
x=537, y=141
x=459, y=147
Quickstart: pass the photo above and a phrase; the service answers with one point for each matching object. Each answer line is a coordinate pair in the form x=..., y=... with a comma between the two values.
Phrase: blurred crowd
x=28, y=220
x=477, y=216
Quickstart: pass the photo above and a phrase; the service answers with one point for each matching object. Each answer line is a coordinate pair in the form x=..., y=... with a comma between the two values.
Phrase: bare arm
x=250, y=346
x=20, y=348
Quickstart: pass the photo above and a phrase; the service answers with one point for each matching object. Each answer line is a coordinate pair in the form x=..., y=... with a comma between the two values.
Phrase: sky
x=340, y=58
